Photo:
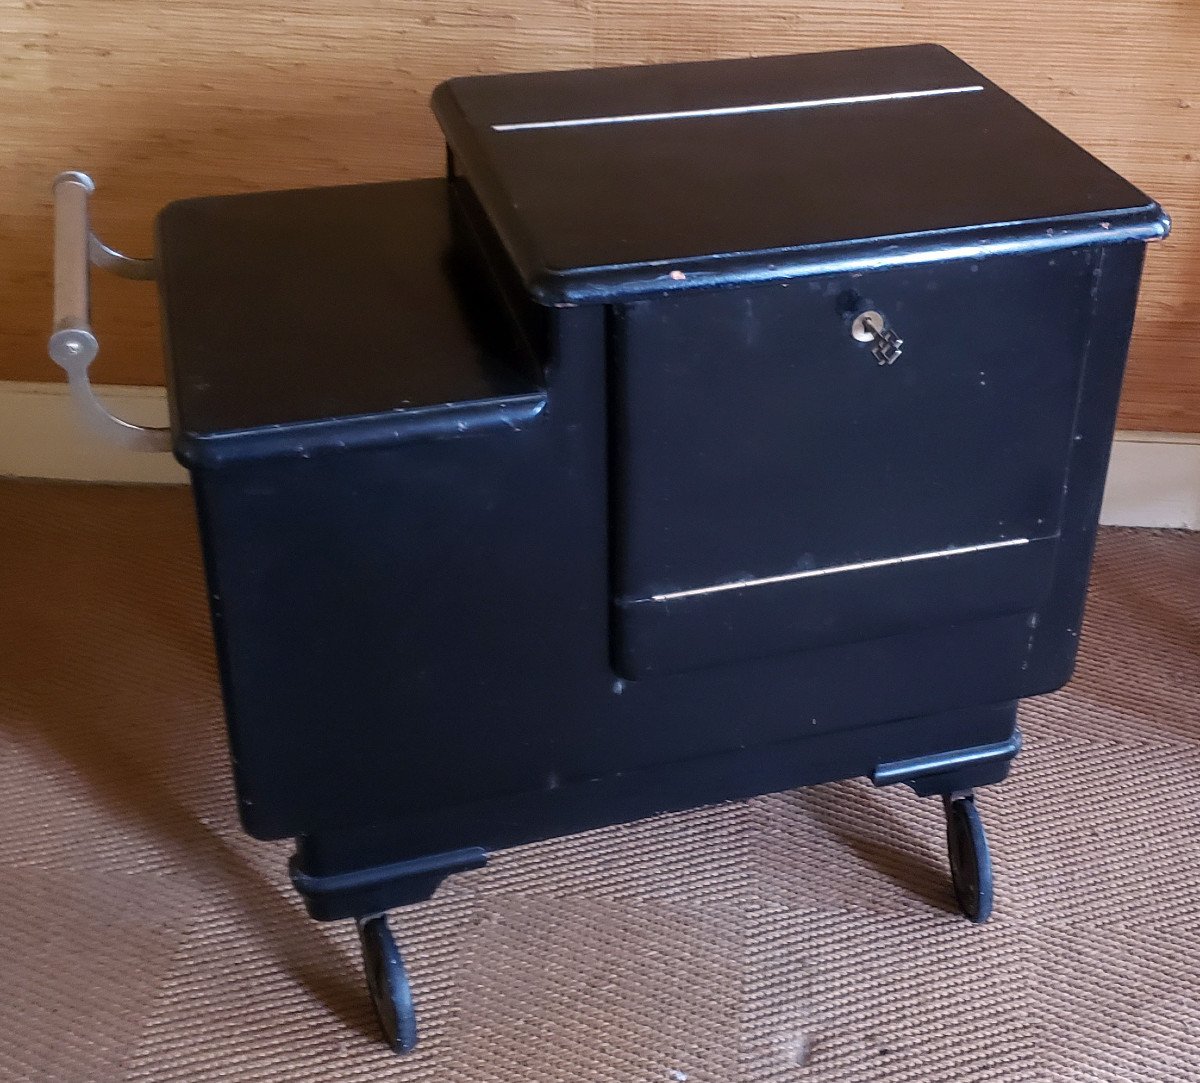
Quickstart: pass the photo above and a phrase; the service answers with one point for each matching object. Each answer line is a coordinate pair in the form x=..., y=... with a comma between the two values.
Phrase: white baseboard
x=41, y=436
x=1154, y=479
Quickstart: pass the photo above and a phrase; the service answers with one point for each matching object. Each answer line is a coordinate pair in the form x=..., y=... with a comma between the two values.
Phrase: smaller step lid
x=314, y=320
x=620, y=182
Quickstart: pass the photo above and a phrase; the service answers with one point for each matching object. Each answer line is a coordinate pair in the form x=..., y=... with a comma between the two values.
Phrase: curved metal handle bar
x=144, y=270
x=73, y=345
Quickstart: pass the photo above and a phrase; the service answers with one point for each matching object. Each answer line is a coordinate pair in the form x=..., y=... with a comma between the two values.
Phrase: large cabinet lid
x=620, y=182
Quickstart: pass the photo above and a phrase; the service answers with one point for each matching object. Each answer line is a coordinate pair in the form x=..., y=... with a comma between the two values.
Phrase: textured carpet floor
x=803, y=936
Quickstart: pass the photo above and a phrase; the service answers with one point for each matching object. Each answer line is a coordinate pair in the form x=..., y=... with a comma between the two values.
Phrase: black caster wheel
x=387, y=981
x=970, y=863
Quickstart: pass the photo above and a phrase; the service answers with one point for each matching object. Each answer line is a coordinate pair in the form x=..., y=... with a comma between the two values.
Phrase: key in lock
x=871, y=327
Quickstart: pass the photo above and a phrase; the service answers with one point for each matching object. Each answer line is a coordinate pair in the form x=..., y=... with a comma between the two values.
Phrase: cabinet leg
x=387, y=981
x=970, y=862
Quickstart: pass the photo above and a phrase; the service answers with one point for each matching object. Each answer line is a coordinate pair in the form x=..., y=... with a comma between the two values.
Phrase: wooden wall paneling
x=162, y=100
x=167, y=99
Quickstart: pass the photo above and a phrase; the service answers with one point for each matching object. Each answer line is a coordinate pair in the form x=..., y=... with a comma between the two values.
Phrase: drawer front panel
x=776, y=488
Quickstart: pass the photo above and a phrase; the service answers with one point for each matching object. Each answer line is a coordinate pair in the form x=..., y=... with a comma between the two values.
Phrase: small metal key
x=872, y=327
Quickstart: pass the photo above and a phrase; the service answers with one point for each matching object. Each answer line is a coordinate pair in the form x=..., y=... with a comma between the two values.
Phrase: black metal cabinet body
x=559, y=492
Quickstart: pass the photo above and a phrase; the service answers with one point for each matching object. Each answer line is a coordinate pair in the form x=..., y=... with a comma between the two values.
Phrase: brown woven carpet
x=805, y=936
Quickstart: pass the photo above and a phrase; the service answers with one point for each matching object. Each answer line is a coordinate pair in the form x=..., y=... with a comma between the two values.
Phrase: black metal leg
x=344, y=876
x=387, y=981
x=970, y=862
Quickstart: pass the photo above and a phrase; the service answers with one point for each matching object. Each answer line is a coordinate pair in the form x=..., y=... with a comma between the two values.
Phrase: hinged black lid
x=303, y=321
x=625, y=181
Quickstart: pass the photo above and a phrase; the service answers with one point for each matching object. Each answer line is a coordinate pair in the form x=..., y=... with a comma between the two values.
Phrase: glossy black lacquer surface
x=290, y=314
x=756, y=441
x=409, y=629
x=436, y=515
x=622, y=181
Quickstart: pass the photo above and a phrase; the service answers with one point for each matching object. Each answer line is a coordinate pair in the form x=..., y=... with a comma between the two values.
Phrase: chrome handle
x=73, y=345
